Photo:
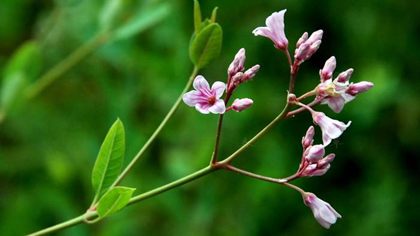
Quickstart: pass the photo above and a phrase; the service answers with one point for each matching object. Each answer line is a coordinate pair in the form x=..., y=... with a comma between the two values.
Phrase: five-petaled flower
x=204, y=98
x=274, y=30
x=323, y=212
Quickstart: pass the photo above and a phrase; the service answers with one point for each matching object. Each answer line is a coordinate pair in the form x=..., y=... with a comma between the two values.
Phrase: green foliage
x=22, y=69
x=114, y=200
x=110, y=159
x=206, y=42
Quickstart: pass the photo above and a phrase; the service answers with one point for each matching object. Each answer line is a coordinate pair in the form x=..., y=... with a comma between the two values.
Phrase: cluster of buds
x=314, y=162
x=208, y=99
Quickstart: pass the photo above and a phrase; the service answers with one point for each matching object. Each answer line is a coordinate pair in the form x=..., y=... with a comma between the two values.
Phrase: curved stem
x=65, y=224
x=174, y=184
x=157, y=131
x=281, y=116
x=62, y=67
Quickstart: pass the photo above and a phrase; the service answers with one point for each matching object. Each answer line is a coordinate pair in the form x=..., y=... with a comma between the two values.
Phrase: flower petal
x=218, y=89
x=218, y=107
x=201, y=84
x=202, y=108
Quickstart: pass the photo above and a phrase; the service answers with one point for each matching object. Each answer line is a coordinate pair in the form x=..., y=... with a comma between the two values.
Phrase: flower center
x=212, y=100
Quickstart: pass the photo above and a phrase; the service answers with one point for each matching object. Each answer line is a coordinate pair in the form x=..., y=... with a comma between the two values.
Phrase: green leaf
x=110, y=14
x=23, y=68
x=110, y=159
x=114, y=200
x=206, y=45
x=197, y=16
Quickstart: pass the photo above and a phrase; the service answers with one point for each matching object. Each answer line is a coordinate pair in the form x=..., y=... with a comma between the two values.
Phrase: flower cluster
x=208, y=100
x=333, y=92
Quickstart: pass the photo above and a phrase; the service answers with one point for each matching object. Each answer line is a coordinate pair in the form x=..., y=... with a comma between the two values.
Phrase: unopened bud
x=326, y=160
x=308, y=47
x=251, y=72
x=359, y=87
x=237, y=64
x=327, y=71
x=315, y=153
x=309, y=137
x=241, y=104
x=345, y=76
x=302, y=39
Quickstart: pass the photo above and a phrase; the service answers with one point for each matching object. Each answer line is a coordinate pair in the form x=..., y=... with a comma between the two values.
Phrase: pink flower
x=274, y=30
x=314, y=153
x=306, y=47
x=331, y=129
x=336, y=93
x=204, y=98
x=323, y=212
x=241, y=104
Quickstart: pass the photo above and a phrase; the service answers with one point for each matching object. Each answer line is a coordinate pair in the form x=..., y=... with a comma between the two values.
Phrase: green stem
x=157, y=131
x=62, y=67
x=202, y=172
x=217, y=142
x=63, y=225
x=281, y=116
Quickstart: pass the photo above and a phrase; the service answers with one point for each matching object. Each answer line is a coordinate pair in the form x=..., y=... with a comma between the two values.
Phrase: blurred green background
x=48, y=144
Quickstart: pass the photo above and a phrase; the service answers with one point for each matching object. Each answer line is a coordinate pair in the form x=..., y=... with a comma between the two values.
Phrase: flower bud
x=359, y=87
x=306, y=48
x=237, y=64
x=302, y=39
x=250, y=73
x=344, y=76
x=326, y=160
x=327, y=71
x=309, y=137
x=314, y=153
x=241, y=104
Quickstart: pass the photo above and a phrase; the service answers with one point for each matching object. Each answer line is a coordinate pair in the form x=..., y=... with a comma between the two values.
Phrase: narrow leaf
x=197, y=16
x=110, y=159
x=214, y=15
x=206, y=45
x=114, y=200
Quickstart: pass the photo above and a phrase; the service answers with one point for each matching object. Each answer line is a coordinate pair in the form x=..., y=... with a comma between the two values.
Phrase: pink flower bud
x=314, y=153
x=309, y=137
x=323, y=212
x=331, y=129
x=344, y=76
x=241, y=104
x=237, y=64
x=302, y=39
x=359, y=87
x=327, y=71
x=274, y=30
x=306, y=48
x=326, y=160
x=251, y=72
